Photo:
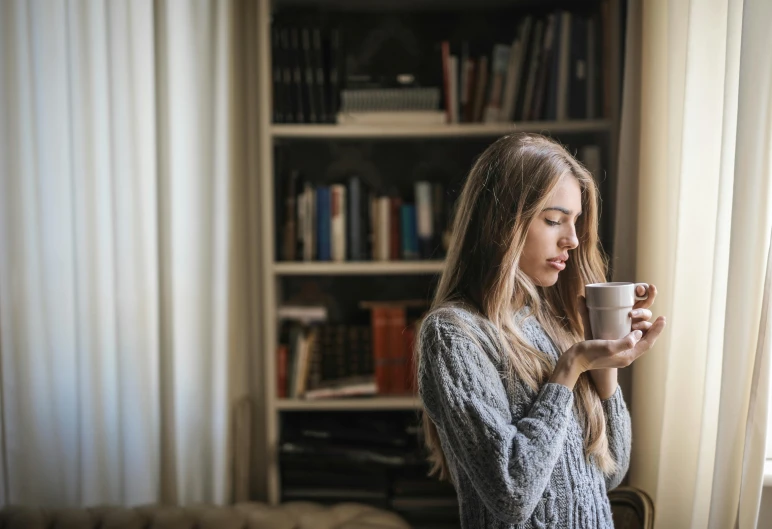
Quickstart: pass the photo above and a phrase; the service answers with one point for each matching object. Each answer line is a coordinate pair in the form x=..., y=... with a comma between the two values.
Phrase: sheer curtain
x=702, y=148
x=121, y=340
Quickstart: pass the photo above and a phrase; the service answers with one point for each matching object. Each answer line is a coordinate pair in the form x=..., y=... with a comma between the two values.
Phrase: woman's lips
x=557, y=264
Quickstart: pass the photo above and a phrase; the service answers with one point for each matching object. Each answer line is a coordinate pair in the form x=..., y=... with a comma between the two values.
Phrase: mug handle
x=641, y=298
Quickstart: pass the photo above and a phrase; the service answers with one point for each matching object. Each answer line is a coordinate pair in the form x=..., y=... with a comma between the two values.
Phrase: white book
x=383, y=226
x=404, y=117
x=307, y=205
x=423, y=204
x=564, y=66
x=338, y=222
x=302, y=313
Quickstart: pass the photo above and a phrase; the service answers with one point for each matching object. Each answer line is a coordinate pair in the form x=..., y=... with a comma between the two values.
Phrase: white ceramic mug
x=609, y=305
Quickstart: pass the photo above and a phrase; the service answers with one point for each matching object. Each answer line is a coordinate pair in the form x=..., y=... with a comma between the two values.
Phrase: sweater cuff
x=615, y=404
x=556, y=397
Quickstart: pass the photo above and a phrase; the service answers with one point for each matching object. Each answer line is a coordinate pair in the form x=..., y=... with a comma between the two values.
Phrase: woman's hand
x=593, y=355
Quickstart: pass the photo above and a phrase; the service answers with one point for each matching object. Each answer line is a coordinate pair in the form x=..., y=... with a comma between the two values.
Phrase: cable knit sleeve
x=509, y=460
x=619, y=435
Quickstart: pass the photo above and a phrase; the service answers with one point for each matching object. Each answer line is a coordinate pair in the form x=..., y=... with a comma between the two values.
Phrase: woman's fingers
x=614, y=347
x=651, y=336
x=640, y=315
x=649, y=301
x=642, y=326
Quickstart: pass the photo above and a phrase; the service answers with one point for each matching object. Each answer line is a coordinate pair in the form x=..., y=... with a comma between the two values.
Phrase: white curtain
x=117, y=319
x=703, y=181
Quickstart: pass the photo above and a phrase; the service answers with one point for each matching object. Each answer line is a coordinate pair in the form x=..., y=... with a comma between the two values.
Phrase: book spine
x=355, y=219
x=317, y=55
x=398, y=354
x=383, y=206
x=308, y=77
x=564, y=73
x=395, y=252
x=323, y=251
x=380, y=348
x=281, y=371
x=297, y=76
x=424, y=218
x=338, y=222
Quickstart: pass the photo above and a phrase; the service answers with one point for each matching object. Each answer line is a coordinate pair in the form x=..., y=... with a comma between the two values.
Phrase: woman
x=522, y=411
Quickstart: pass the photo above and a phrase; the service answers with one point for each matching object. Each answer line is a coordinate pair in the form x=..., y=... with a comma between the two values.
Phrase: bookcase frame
x=271, y=270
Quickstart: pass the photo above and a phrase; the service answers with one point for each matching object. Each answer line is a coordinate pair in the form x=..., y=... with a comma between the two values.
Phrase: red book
x=281, y=371
x=380, y=344
x=397, y=350
x=410, y=337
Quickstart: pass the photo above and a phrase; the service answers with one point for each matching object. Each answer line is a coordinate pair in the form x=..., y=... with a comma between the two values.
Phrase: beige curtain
x=701, y=234
x=123, y=312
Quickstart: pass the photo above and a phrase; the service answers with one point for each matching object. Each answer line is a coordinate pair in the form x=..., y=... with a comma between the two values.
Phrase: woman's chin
x=549, y=279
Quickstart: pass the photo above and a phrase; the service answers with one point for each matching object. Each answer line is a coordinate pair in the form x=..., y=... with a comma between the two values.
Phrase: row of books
x=351, y=221
x=305, y=67
x=372, y=458
x=317, y=359
x=552, y=70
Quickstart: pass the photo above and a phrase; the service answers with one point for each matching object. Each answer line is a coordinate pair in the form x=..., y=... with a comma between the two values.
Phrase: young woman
x=522, y=411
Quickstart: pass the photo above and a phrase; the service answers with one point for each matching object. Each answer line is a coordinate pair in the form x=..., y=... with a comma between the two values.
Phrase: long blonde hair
x=506, y=189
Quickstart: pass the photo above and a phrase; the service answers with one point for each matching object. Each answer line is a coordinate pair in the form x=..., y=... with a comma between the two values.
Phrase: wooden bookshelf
x=274, y=273
x=459, y=130
x=358, y=268
x=376, y=403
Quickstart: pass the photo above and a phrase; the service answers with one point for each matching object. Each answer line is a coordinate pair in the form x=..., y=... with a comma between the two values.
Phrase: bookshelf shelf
x=461, y=130
x=358, y=268
x=377, y=403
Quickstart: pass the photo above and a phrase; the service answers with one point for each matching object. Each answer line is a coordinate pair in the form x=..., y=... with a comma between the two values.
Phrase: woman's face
x=553, y=234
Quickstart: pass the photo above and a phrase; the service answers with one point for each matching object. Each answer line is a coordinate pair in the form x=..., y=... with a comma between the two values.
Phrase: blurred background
x=221, y=223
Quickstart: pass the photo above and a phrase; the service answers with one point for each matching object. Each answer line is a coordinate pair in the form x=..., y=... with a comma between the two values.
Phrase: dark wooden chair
x=631, y=508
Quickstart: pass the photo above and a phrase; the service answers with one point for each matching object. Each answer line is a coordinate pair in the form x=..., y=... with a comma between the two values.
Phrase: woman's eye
x=551, y=222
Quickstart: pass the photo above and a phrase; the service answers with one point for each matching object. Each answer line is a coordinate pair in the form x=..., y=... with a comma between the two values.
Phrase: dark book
x=317, y=57
x=545, y=65
x=285, y=67
x=278, y=93
x=335, y=63
x=309, y=82
x=579, y=70
x=553, y=75
x=524, y=109
x=289, y=226
x=296, y=62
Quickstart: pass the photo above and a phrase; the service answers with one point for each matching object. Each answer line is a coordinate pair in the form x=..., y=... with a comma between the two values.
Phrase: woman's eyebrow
x=564, y=211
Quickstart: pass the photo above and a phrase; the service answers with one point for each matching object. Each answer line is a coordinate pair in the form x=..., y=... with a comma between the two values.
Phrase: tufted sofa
x=291, y=515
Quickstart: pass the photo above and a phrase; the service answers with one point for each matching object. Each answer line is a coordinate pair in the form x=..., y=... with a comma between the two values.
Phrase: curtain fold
x=119, y=329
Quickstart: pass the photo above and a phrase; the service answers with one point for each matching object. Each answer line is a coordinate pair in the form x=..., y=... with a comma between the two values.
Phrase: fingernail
x=638, y=334
x=636, y=313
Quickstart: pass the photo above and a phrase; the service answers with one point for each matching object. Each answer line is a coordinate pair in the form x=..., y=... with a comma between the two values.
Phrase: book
x=344, y=387
x=401, y=117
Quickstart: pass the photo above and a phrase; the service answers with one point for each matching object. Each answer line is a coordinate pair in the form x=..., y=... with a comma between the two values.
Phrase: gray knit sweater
x=516, y=457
